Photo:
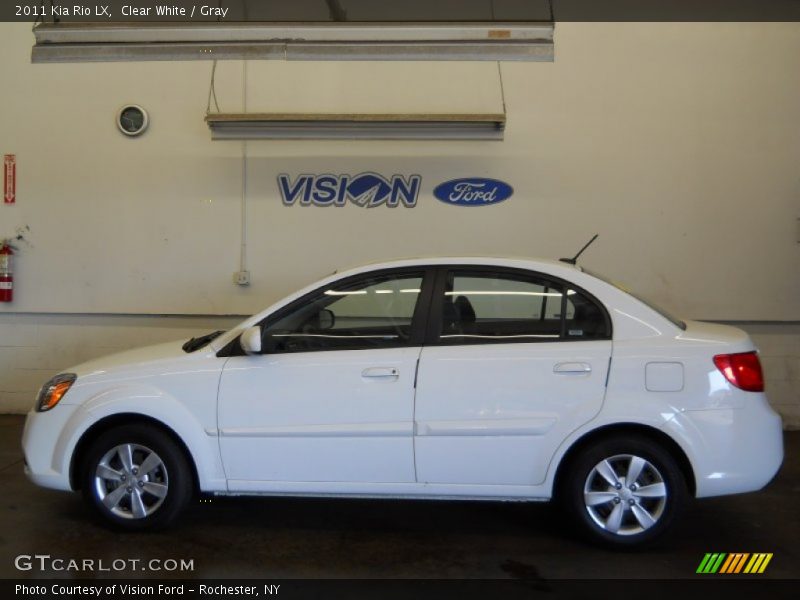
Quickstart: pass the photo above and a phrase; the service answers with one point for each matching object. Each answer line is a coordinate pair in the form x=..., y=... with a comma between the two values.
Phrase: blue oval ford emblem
x=473, y=191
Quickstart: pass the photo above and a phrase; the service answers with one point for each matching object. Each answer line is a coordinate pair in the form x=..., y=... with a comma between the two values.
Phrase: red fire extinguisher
x=6, y=274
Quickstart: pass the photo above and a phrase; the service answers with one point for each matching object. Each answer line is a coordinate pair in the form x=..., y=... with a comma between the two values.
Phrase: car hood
x=130, y=359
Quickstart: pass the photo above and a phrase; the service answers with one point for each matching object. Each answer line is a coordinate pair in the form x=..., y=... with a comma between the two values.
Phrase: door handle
x=572, y=368
x=381, y=373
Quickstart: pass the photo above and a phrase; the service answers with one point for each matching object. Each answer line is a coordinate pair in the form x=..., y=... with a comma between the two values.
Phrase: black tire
x=597, y=522
x=159, y=495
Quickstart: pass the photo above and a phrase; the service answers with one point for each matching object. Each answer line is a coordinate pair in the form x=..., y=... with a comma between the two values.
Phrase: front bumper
x=46, y=447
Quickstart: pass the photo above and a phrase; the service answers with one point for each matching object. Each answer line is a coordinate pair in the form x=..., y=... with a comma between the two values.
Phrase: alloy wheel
x=625, y=494
x=131, y=481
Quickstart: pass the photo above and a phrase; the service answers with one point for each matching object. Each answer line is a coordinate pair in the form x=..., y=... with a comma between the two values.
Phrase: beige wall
x=676, y=142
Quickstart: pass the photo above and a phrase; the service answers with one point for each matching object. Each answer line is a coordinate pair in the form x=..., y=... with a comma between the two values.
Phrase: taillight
x=743, y=370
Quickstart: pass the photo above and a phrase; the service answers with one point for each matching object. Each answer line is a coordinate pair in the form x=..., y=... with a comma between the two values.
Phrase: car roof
x=523, y=262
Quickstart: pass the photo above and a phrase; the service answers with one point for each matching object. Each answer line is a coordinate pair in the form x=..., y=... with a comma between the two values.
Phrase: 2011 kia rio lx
x=451, y=378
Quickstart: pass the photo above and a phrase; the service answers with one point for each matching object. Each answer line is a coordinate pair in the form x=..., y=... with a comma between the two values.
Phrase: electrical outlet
x=241, y=278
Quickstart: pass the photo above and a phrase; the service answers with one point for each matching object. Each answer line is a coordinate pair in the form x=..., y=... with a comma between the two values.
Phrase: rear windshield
x=668, y=316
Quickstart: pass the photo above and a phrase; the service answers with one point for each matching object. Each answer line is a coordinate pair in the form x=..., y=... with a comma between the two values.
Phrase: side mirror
x=325, y=319
x=250, y=340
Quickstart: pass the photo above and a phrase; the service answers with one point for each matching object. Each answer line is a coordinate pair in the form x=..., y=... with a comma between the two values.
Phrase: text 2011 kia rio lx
x=468, y=378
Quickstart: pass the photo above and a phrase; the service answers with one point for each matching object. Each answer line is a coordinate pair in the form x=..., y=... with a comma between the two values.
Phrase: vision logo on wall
x=367, y=190
x=473, y=191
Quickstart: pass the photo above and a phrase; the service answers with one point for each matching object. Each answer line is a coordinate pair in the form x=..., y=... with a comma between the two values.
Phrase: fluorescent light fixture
x=249, y=126
x=353, y=293
x=507, y=293
x=503, y=293
x=138, y=41
x=331, y=336
x=499, y=337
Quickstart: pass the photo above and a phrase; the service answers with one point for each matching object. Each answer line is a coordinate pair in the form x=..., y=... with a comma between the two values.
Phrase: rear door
x=516, y=361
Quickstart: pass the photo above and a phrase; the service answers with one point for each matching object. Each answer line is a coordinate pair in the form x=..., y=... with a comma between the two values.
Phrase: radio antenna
x=574, y=259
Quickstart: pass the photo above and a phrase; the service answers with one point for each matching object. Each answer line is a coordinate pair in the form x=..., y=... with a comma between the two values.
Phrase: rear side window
x=488, y=307
x=664, y=313
x=584, y=319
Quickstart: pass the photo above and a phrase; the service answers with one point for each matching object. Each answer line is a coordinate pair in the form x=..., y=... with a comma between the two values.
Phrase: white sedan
x=451, y=378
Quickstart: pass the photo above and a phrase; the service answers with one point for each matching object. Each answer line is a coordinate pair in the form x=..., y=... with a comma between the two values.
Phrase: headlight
x=53, y=391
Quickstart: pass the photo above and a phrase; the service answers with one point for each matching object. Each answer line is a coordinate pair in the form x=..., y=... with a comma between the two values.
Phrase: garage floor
x=304, y=538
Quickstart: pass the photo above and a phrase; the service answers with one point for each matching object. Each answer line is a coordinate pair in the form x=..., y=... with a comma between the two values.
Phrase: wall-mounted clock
x=132, y=120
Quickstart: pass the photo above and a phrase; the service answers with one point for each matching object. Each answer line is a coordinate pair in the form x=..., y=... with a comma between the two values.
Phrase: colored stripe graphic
x=711, y=562
x=715, y=567
x=765, y=563
x=758, y=563
x=741, y=562
x=727, y=564
x=703, y=563
x=732, y=558
x=733, y=563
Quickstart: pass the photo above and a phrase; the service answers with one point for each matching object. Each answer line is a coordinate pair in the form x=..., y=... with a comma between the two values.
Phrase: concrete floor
x=303, y=538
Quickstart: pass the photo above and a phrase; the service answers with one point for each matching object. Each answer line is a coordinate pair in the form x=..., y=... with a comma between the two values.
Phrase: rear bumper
x=732, y=450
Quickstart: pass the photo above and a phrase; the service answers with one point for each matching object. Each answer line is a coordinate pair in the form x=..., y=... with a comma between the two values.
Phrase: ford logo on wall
x=473, y=191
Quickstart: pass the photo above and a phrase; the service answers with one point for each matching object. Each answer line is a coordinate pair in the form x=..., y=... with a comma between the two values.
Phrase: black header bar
x=396, y=12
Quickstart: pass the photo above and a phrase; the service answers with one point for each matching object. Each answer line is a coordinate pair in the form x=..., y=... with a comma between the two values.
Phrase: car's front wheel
x=624, y=492
x=136, y=477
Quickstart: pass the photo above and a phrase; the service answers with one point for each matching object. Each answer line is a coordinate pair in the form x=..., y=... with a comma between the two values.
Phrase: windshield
x=667, y=315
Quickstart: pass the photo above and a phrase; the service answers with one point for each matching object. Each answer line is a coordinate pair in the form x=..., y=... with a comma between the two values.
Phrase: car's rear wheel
x=136, y=477
x=624, y=492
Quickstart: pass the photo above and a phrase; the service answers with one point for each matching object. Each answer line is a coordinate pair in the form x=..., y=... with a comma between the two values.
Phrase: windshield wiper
x=198, y=342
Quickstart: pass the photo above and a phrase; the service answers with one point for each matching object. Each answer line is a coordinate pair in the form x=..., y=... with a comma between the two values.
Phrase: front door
x=331, y=398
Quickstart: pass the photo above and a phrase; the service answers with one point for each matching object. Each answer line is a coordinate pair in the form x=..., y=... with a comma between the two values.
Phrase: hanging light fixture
x=320, y=126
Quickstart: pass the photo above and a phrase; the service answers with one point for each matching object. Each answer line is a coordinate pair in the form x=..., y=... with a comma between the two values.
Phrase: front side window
x=371, y=312
x=489, y=307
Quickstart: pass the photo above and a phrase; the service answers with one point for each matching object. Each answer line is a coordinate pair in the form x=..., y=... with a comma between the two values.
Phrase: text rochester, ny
x=106, y=590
